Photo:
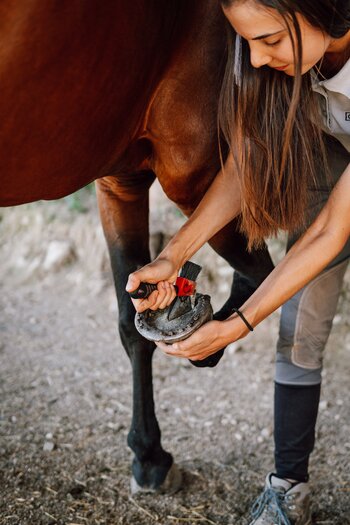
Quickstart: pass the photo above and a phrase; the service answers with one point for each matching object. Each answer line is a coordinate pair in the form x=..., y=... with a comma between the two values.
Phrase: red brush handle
x=185, y=287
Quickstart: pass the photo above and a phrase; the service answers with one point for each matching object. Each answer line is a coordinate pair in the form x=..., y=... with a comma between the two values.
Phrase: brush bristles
x=190, y=270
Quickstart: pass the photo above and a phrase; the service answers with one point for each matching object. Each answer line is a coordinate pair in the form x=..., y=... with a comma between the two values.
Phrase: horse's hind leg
x=123, y=204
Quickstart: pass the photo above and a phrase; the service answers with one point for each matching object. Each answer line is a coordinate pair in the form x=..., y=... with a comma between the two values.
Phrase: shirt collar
x=340, y=82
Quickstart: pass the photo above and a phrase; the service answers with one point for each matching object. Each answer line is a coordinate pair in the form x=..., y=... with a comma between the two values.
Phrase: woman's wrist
x=176, y=251
x=234, y=328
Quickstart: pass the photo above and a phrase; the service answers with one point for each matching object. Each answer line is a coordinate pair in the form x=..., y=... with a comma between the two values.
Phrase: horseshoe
x=155, y=325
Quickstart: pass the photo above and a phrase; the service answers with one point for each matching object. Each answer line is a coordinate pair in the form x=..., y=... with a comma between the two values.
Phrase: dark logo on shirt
x=347, y=115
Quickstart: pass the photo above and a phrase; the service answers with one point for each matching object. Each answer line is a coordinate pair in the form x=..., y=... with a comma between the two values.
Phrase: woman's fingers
x=158, y=299
x=144, y=304
x=168, y=297
x=161, y=272
x=133, y=282
x=176, y=350
x=157, y=271
x=163, y=292
x=202, y=343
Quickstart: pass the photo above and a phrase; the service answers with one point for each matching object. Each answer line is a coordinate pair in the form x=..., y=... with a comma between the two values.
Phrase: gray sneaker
x=282, y=503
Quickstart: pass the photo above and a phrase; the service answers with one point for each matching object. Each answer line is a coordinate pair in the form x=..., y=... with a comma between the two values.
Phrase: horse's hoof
x=156, y=325
x=170, y=485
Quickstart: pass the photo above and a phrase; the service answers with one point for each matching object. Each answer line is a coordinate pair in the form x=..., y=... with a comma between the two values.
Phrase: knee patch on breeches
x=306, y=322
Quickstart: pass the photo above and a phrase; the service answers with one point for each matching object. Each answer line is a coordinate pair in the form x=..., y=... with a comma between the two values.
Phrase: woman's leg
x=305, y=325
x=306, y=322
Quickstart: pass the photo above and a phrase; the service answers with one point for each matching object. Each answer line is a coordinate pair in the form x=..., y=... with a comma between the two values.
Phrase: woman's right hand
x=161, y=271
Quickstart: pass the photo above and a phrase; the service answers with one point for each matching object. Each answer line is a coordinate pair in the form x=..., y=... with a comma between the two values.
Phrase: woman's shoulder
x=340, y=82
x=335, y=103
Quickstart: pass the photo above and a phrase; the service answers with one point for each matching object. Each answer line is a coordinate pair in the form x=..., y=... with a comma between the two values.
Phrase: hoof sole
x=170, y=485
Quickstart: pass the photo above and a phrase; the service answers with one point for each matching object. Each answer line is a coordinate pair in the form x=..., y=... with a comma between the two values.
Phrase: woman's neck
x=337, y=54
x=339, y=45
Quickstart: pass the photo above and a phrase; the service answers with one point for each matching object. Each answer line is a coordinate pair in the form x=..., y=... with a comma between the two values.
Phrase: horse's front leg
x=123, y=204
x=251, y=267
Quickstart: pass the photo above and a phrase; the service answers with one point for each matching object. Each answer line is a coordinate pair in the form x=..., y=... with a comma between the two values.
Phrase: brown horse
x=121, y=92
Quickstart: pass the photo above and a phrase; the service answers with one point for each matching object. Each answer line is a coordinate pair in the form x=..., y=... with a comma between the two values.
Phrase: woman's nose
x=258, y=56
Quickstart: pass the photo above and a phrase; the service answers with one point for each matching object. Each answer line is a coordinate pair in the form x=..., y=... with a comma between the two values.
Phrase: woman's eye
x=273, y=43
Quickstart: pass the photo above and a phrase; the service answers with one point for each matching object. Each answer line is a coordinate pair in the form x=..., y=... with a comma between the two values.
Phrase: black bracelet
x=248, y=325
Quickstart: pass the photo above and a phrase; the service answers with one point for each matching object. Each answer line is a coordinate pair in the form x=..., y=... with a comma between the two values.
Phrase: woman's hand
x=161, y=271
x=205, y=341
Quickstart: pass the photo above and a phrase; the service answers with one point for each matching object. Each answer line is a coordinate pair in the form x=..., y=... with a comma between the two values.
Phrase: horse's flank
x=77, y=82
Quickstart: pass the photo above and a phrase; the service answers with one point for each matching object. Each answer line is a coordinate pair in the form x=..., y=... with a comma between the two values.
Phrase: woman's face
x=269, y=40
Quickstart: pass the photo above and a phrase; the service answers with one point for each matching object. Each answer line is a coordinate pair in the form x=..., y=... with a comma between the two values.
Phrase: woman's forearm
x=220, y=204
x=307, y=258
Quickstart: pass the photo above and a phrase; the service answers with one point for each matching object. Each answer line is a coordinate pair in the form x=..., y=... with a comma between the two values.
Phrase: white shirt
x=335, y=104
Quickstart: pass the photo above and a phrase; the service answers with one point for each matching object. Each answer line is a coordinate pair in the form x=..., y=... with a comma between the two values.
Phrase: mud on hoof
x=170, y=485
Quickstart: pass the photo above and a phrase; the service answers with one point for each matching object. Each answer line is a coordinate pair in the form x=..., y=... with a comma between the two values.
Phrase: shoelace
x=273, y=500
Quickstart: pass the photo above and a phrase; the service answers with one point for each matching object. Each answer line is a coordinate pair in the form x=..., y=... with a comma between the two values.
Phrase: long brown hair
x=271, y=123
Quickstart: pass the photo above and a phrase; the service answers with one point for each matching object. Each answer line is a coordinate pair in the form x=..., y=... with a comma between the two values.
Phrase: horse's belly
x=23, y=189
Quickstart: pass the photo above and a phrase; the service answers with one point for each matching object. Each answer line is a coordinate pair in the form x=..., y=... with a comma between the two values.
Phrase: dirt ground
x=65, y=390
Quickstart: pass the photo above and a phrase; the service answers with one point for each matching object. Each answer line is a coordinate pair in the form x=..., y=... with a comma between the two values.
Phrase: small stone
x=265, y=433
x=77, y=490
x=232, y=348
x=58, y=254
x=113, y=426
x=24, y=220
x=48, y=446
x=223, y=287
x=323, y=404
x=224, y=271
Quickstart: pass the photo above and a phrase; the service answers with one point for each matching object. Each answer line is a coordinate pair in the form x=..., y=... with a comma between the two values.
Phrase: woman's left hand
x=205, y=341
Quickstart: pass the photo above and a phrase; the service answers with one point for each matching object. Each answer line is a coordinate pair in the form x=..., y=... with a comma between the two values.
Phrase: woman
x=285, y=114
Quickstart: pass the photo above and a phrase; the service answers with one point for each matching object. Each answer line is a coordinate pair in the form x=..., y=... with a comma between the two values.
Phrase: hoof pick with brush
x=188, y=311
